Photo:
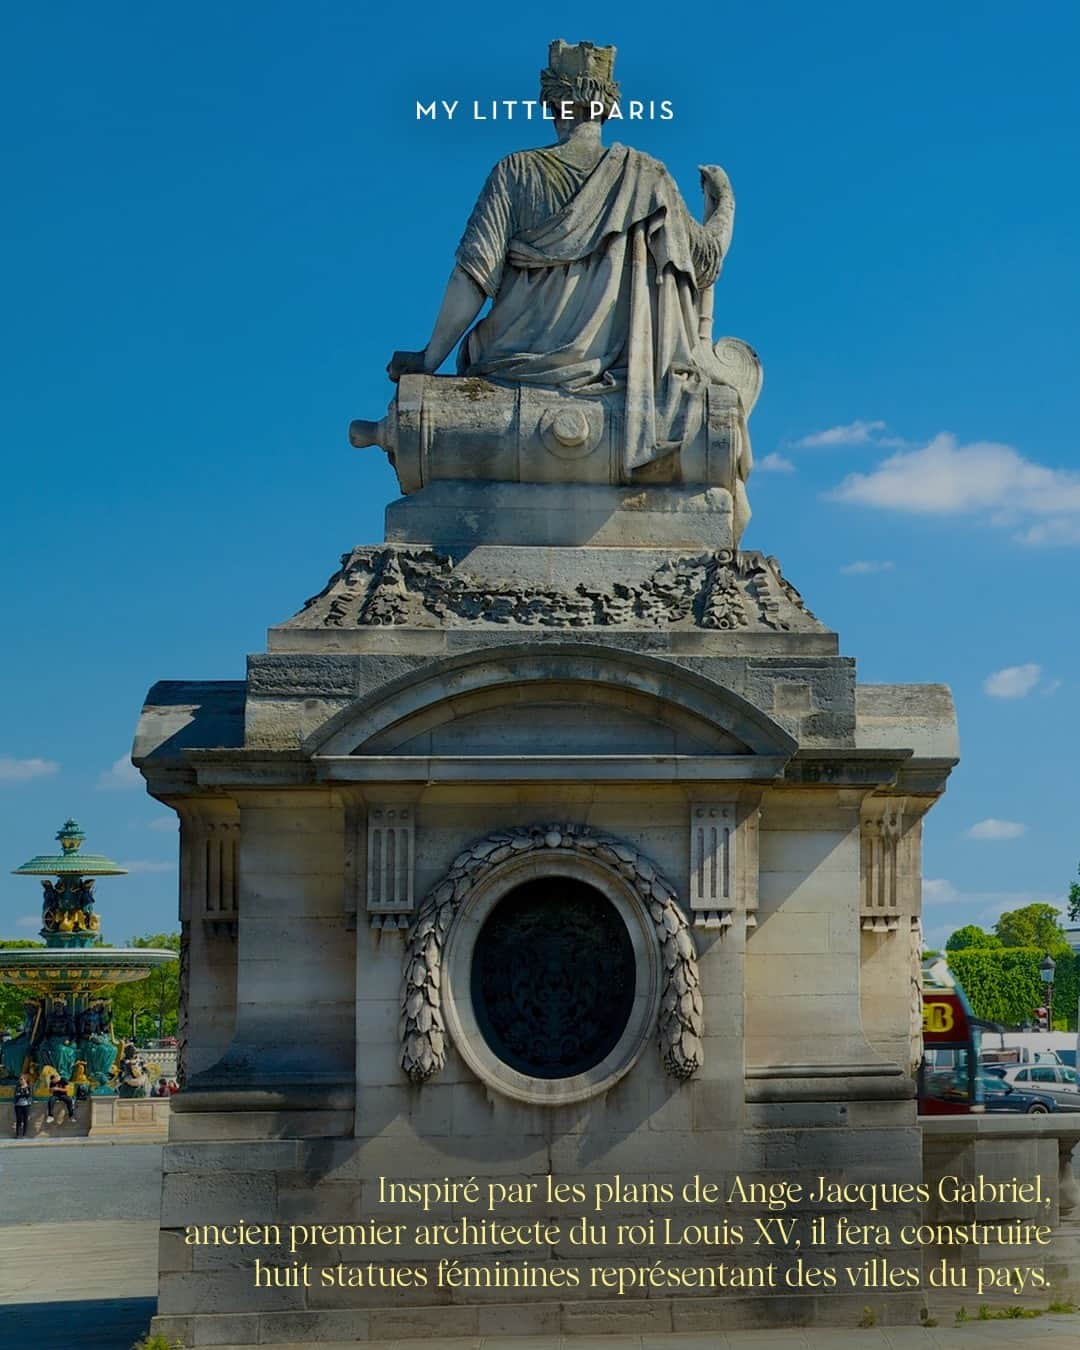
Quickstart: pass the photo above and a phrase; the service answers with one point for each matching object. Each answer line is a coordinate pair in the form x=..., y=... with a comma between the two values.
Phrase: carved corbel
x=380, y=862
x=210, y=864
x=881, y=835
x=723, y=864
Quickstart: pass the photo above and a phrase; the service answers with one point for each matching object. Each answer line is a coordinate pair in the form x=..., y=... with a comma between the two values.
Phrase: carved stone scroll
x=916, y=991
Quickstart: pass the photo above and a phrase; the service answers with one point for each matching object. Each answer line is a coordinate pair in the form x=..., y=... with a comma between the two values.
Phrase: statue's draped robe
x=595, y=279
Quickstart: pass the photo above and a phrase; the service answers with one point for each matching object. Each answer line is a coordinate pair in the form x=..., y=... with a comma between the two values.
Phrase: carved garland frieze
x=725, y=591
x=680, y=1023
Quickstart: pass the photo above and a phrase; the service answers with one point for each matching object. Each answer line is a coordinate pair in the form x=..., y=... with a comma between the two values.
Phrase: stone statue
x=60, y=1052
x=68, y=906
x=99, y=1051
x=59, y=1023
x=13, y=1053
x=134, y=1080
x=599, y=332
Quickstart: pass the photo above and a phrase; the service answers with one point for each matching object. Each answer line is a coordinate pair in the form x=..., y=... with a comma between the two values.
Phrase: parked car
x=997, y=1095
x=1050, y=1080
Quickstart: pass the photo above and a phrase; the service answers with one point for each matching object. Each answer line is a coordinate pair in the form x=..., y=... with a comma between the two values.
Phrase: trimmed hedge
x=1003, y=984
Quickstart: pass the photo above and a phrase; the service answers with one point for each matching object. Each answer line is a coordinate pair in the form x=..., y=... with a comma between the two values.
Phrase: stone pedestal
x=567, y=693
x=100, y=1117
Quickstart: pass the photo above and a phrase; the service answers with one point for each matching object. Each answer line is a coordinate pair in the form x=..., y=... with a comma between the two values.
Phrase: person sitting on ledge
x=59, y=1096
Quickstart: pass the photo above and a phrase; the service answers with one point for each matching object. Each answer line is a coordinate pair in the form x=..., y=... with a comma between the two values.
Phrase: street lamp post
x=1047, y=966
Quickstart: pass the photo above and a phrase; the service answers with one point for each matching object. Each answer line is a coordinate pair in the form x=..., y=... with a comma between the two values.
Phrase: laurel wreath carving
x=680, y=1023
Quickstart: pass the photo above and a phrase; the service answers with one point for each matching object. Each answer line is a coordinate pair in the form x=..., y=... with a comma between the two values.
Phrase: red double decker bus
x=949, y=1075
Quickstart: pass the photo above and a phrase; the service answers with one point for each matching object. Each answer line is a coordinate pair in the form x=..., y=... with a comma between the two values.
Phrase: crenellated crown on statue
x=579, y=73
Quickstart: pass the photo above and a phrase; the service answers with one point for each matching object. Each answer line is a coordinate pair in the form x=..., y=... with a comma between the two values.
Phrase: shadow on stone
x=110, y=1324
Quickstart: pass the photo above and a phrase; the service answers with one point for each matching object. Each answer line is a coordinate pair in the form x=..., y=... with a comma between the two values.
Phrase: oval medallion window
x=553, y=978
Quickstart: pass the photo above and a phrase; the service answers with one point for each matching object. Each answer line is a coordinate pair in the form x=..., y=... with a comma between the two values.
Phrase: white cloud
x=120, y=776
x=20, y=770
x=855, y=433
x=1062, y=532
x=774, y=463
x=996, y=829
x=31, y=921
x=939, y=892
x=866, y=566
x=164, y=825
x=1013, y=681
x=984, y=479
x=145, y=866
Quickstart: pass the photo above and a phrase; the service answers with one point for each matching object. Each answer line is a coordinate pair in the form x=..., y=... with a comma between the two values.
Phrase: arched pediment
x=530, y=699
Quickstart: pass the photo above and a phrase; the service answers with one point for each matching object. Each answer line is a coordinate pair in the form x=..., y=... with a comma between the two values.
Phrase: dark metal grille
x=553, y=978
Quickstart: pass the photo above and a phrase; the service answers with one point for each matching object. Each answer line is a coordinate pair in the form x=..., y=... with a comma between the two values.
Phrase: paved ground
x=101, y=1295
x=104, y=1289
x=1044, y=1333
x=51, y=1180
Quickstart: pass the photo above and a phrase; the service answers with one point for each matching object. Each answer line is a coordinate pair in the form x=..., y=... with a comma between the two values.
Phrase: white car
x=1053, y=1080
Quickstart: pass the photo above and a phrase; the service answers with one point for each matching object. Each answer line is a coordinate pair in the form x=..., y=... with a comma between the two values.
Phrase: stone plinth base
x=464, y=514
x=585, y=692
x=648, y=1318
x=1000, y=1148
x=123, y=1117
x=331, y=1181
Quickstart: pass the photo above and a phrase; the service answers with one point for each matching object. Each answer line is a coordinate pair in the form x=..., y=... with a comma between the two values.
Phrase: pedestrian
x=58, y=1096
x=22, y=1101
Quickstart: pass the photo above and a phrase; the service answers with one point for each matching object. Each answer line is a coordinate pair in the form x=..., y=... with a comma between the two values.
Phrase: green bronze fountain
x=68, y=1026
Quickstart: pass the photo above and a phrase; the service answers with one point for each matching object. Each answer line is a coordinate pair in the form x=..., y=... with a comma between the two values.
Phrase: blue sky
x=219, y=221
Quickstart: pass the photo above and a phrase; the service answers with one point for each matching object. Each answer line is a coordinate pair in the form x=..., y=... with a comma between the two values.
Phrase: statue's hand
x=715, y=182
x=405, y=363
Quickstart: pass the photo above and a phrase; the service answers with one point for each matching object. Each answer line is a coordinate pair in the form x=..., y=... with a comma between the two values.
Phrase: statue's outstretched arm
x=461, y=304
x=712, y=239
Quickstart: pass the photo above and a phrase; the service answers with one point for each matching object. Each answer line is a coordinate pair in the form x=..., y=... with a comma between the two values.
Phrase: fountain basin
x=78, y=969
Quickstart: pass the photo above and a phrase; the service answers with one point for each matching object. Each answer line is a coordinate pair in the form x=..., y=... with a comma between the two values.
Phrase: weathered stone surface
x=462, y=517
x=427, y=587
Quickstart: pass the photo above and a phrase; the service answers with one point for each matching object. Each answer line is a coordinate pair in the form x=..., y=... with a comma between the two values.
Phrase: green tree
x=12, y=998
x=149, y=1007
x=1074, y=900
x=971, y=935
x=1033, y=926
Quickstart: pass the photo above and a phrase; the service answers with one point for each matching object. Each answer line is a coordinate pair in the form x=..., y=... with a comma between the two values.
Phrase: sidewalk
x=1050, y=1332
x=77, y=1260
